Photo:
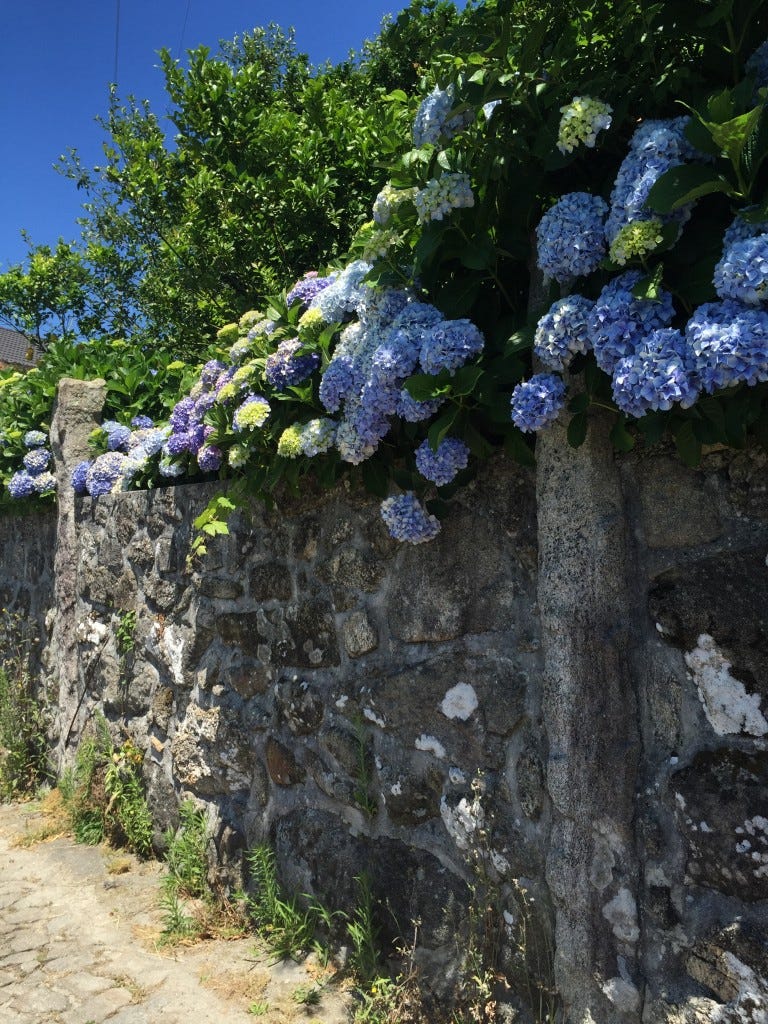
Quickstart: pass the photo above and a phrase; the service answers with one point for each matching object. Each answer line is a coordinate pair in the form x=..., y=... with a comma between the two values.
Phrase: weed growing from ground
x=103, y=793
x=185, y=855
x=23, y=744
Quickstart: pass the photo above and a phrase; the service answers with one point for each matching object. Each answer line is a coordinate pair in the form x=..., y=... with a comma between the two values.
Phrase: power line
x=117, y=40
x=184, y=28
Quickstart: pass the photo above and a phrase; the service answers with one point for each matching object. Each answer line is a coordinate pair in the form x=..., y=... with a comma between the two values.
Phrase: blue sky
x=56, y=60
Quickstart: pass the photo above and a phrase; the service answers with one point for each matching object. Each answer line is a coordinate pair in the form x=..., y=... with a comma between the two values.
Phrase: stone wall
x=565, y=691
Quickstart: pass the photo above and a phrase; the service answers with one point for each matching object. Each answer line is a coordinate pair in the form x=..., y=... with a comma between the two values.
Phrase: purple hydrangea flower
x=729, y=343
x=286, y=367
x=570, y=238
x=407, y=519
x=618, y=321
x=209, y=458
x=537, y=402
x=182, y=414
x=210, y=373
x=142, y=423
x=307, y=288
x=441, y=467
x=658, y=374
x=78, y=478
x=337, y=382
x=563, y=332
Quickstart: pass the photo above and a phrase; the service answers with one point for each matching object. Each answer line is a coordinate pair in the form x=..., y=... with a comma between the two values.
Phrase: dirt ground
x=80, y=931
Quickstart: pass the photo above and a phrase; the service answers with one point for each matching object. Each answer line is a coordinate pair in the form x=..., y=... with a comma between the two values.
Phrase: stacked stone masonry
x=366, y=706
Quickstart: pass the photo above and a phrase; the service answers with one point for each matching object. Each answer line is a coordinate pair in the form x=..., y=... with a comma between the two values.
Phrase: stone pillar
x=590, y=714
x=76, y=412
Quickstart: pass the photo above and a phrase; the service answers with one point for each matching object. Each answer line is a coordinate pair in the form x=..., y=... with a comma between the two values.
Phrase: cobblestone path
x=78, y=946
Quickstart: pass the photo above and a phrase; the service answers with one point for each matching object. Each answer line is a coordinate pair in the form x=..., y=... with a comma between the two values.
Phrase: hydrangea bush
x=429, y=346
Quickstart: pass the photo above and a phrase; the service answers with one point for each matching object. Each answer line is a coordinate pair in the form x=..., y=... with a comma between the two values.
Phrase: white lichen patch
x=462, y=821
x=173, y=647
x=430, y=745
x=756, y=849
x=397, y=789
x=456, y=776
x=371, y=715
x=727, y=705
x=459, y=702
x=621, y=914
x=91, y=631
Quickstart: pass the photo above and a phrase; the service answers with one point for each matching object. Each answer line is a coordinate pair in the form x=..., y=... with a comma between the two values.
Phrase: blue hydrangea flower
x=537, y=402
x=78, y=478
x=729, y=343
x=563, y=332
x=739, y=230
x=618, y=321
x=251, y=414
x=758, y=66
x=381, y=306
x=570, y=238
x=407, y=520
x=655, y=148
x=432, y=121
x=337, y=382
x=21, y=485
x=118, y=435
x=441, y=467
x=415, y=412
x=659, y=374
x=180, y=443
x=488, y=108
x=286, y=367
x=142, y=422
x=742, y=273
x=342, y=296
x=148, y=439
x=44, y=483
x=167, y=467
x=35, y=439
x=37, y=460
x=309, y=286
x=449, y=345
x=209, y=458
x=104, y=474
x=451, y=191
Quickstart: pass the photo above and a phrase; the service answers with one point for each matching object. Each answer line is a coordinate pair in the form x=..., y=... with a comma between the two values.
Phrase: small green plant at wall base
x=125, y=633
x=258, y=1009
x=23, y=744
x=363, y=933
x=306, y=995
x=185, y=854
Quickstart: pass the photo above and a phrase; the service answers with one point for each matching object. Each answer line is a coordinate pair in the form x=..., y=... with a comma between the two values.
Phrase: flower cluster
x=441, y=466
x=655, y=147
x=658, y=374
x=407, y=519
x=537, y=402
x=619, y=320
x=35, y=477
x=582, y=119
x=570, y=237
x=636, y=240
x=341, y=297
x=451, y=191
x=388, y=201
x=563, y=332
x=757, y=65
x=308, y=288
x=432, y=121
x=251, y=414
x=739, y=230
x=310, y=439
x=742, y=273
x=288, y=366
x=729, y=344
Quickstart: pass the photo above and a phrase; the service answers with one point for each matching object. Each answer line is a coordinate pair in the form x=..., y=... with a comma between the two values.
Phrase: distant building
x=17, y=351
